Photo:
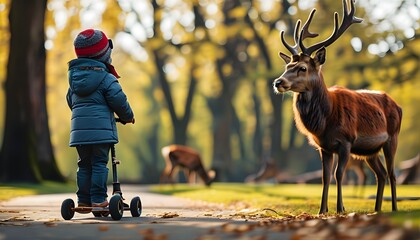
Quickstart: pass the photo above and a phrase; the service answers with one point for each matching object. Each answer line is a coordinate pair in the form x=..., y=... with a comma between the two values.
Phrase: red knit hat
x=94, y=44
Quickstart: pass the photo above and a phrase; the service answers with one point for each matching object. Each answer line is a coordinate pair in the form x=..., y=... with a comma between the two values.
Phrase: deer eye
x=302, y=69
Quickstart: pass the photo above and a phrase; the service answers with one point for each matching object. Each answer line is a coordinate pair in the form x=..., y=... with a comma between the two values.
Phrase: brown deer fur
x=186, y=158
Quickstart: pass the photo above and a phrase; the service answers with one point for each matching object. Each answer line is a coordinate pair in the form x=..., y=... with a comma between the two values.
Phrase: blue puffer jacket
x=94, y=96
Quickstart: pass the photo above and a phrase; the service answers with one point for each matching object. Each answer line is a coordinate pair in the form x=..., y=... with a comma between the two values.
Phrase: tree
x=26, y=153
x=179, y=123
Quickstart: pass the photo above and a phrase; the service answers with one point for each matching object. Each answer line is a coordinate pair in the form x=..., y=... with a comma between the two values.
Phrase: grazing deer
x=357, y=167
x=337, y=120
x=186, y=158
x=267, y=171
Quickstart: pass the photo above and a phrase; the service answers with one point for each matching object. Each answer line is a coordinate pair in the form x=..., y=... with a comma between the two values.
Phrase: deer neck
x=313, y=107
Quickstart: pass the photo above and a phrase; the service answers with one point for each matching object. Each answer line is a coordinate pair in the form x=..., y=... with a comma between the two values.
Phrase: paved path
x=163, y=217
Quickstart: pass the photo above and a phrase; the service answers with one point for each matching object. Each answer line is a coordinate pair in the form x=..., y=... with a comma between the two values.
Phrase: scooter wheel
x=135, y=207
x=67, y=207
x=116, y=207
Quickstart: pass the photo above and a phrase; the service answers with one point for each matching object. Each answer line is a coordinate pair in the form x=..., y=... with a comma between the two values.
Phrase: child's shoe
x=102, y=204
x=85, y=208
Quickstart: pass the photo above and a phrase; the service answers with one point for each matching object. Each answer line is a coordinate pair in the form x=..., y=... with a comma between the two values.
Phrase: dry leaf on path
x=50, y=224
x=169, y=215
x=209, y=237
x=130, y=226
x=103, y=228
x=146, y=231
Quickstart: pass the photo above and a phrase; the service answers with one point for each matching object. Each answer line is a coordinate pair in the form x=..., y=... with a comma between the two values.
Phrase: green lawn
x=8, y=191
x=294, y=199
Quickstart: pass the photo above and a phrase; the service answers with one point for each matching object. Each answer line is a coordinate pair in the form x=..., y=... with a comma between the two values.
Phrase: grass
x=8, y=191
x=282, y=199
x=295, y=199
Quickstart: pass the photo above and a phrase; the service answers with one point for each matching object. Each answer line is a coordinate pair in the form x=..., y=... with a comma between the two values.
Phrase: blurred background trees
x=199, y=73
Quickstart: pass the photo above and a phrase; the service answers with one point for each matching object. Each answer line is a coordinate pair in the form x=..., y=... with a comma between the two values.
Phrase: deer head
x=302, y=69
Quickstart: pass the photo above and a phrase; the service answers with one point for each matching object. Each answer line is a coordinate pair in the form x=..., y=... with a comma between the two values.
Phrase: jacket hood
x=85, y=75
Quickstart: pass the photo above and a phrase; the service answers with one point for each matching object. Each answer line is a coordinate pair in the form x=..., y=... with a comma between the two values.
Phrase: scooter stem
x=115, y=183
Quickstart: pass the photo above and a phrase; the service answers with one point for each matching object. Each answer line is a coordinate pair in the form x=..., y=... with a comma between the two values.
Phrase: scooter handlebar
x=122, y=122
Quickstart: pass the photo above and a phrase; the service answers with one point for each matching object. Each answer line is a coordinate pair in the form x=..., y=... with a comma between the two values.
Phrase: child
x=94, y=95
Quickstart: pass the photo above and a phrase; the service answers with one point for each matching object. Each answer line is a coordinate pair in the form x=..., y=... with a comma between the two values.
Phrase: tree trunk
x=180, y=124
x=27, y=151
x=222, y=120
x=220, y=108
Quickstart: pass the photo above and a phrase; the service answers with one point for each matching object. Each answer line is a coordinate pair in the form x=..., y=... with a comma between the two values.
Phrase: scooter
x=116, y=205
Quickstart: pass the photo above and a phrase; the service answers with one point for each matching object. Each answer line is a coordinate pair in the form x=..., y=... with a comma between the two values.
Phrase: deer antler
x=305, y=29
x=298, y=37
x=292, y=49
x=348, y=19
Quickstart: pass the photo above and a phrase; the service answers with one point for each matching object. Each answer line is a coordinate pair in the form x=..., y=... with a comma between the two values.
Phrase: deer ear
x=320, y=56
x=285, y=57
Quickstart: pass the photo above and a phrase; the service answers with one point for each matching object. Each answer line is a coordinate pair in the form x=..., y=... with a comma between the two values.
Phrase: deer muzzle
x=280, y=85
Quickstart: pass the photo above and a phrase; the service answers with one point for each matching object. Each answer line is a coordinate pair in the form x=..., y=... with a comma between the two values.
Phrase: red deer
x=186, y=158
x=267, y=171
x=337, y=120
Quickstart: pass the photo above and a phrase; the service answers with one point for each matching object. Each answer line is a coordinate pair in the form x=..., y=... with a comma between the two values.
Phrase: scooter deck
x=95, y=209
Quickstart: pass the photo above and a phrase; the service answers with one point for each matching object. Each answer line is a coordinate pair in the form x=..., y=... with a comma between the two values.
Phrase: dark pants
x=92, y=173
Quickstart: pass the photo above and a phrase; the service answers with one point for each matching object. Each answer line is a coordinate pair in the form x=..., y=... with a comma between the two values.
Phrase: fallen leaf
x=228, y=227
x=147, y=231
x=394, y=234
x=169, y=215
x=9, y=211
x=314, y=223
x=50, y=224
x=16, y=219
x=241, y=228
x=161, y=237
x=103, y=228
x=15, y=224
x=208, y=237
x=129, y=226
x=156, y=237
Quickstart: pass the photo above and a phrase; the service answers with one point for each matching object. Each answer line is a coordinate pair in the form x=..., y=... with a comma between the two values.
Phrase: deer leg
x=390, y=148
x=187, y=175
x=162, y=178
x=343, y=158
x=361, y=177
x=375, y=164
x=165, y=173
x=170, y=174
x=192, y=179
x=327, y=161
